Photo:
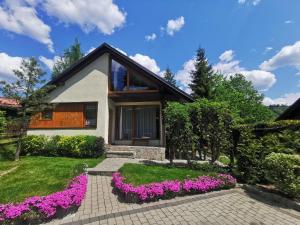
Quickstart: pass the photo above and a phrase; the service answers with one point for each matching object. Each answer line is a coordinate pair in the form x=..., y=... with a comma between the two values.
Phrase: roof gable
x=105, y=48
x=292, y=111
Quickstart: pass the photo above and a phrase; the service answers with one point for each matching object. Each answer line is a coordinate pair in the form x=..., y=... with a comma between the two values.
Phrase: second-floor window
x=125, y=79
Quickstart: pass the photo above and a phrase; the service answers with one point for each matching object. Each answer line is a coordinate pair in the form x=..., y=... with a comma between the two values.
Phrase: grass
x=6, y=165
x=38, y=176
x=138, y=174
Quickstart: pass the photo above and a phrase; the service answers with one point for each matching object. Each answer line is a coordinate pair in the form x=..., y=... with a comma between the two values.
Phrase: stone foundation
x=141, y=152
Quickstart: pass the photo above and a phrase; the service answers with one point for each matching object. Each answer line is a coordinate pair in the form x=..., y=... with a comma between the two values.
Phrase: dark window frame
x=43, y=113
x=86, y=104
x=130, y=73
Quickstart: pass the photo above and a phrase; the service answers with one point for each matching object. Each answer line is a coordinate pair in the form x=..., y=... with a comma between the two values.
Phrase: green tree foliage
x=242, y=98
x=169, y=77
x=179, y=133
x=278, y=109
x=257, y=142
x=70, y=56
x=26, y=90
x=202, y=77
x=212, y=123
x=203, y=124
x=281, y=171
x=2, y=121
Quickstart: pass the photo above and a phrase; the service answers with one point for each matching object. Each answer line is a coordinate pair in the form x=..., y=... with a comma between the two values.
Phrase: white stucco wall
x=88, y=85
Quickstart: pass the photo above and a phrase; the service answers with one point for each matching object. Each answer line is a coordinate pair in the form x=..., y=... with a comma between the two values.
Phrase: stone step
x=120, y=154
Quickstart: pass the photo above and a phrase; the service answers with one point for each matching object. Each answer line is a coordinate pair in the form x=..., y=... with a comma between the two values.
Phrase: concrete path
x=110, y=165
x=232, y=207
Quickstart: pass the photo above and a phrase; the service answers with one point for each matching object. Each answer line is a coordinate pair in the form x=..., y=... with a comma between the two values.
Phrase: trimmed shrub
x=281, y=171
x=179, y=132
x=249, y=158
x=34, y=145
x=70, y=146
x=258, y=141
x=211, y=124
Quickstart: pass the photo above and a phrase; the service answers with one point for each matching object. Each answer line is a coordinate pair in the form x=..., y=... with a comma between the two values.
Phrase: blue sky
x=258, y=38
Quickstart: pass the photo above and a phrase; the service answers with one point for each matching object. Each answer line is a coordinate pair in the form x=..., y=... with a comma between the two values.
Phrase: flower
x=47, y=205
x=158, y=190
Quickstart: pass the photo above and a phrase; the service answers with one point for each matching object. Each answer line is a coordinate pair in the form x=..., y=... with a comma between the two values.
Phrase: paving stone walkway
x=110, y=165
x=234, y=206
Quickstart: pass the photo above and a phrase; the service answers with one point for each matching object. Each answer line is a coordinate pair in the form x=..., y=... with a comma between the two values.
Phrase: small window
x=91, y=115
x=47, y=115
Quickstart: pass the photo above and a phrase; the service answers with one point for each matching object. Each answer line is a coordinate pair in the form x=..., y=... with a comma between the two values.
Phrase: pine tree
x=202, y=77
x=26, y=90
x=169, y=77
x=70, y=56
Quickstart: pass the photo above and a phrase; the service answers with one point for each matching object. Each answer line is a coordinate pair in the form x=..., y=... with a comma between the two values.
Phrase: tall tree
x=169, y=77
x=242, y=98
x=70, y=56
x=202, y=76
x=29, y=94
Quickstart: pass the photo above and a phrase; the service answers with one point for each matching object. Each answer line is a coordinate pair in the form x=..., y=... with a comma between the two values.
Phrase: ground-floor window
x=137, y=122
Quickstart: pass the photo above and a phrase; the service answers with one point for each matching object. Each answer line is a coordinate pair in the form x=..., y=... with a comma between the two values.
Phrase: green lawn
x=38, y=176
x=137, y=174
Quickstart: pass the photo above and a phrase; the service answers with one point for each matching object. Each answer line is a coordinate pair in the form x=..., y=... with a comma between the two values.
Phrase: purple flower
x=155, y=191
x=48, y=205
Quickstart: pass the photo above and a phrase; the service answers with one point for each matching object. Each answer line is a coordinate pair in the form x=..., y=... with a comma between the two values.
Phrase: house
x=292, y=112
x=108, y=94
x=10, y=106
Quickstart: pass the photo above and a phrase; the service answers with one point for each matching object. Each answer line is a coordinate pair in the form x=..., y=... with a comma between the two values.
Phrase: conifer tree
x=169, y=77
x=202, y=77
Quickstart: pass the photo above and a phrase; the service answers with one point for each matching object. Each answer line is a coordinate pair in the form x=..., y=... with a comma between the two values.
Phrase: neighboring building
x=108, y=94
x=10, y=106
x=292, y=112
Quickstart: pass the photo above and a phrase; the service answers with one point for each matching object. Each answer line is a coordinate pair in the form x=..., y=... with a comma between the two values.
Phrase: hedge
x=281, y=170
x=81, y=146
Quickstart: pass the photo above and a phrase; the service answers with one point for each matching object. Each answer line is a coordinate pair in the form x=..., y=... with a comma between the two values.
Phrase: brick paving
x=234, y=206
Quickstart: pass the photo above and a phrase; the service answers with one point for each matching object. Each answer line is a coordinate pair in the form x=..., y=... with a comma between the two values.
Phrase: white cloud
x=103, y=15
x=175, y=25
x=288, y=56
x=288, y=21
x=286, y=99
x=150, y=37
x=268, y=49
x=183, y=76
x=49, y=62
x=21, y=18
x=253, y=2
x=227, y=56
x=147, y=62
x=7, y=65
x=261, y=80
x=90, y=50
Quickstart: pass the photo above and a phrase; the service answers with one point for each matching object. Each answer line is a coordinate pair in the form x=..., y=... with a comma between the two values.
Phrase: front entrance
x=138, y=125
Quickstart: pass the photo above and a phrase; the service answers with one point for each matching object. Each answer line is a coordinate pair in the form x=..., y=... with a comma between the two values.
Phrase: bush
x=179, y=133
x=34, y=145
x=281, y=171
x=211, y=122
x=7, y=151
x=2, y=121
x=71, y=146
x=258, y=141
x=249, y=158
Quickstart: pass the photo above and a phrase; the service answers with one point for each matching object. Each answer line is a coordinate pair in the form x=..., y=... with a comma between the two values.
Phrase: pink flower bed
x=47, y=206
x=168, y=189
